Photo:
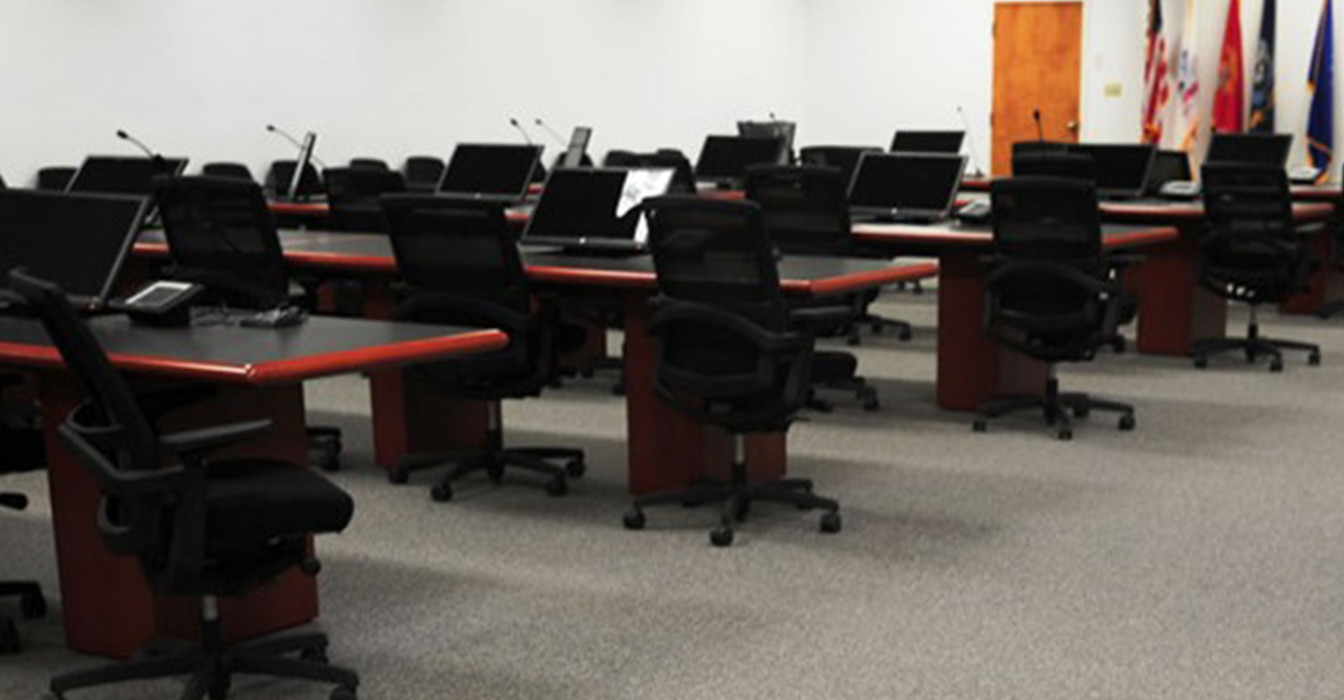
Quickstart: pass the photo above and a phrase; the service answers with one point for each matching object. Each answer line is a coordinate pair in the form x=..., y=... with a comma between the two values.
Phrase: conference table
x=255, y=373
x=666, y=449
x=972, y=369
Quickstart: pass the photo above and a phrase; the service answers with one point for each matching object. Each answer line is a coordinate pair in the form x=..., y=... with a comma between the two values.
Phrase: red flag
x=1230, y=99
x=1156, y=84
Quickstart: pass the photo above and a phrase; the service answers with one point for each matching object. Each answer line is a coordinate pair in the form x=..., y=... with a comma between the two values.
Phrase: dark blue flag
x=1262, y=90
x=1321, y=86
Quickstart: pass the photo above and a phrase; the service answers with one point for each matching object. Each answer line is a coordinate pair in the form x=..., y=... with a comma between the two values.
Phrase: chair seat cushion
x=256, y=501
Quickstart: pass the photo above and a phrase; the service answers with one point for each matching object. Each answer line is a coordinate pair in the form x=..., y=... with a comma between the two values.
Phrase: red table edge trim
x=278, y=371
x=1152, y=235
x=864, y=280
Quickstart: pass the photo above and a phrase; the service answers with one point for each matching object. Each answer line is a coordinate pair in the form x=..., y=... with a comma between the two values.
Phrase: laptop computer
x=927, y=141
x=77, y=240
x=1263, y=149
x=724, y=159
x=907, y=187
x=577, y=148
x=490, y=171
x=596, y=209
x=1122, y=169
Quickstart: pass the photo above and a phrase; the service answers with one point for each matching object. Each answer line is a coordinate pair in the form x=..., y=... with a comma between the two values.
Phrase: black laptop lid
x=76, y=240
x=725, y=158
x=594, y=207
x=1262, y=149
x=911, y=181
x=1122, y=169
x=490, y=170
x=927, y=141
x=123, y=174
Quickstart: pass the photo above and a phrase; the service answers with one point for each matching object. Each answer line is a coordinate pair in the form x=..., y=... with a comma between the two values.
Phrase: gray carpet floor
x=1201, y=556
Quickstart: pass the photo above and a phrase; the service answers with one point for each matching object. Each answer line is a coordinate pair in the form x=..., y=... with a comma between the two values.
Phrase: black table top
x=223, y=351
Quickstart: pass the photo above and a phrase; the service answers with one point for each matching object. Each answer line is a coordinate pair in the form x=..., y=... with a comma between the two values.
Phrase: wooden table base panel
x=411, y=418
x=107, y=606
x=1174, y=311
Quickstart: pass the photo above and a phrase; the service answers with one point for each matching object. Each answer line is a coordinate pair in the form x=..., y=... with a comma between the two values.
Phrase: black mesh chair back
x=233, y=170
x=352, y=194
x=370, y=163
x=423, y=173
x=716, y=252
x=846, y=158
x=281, y=174
x=1077, y=166
x=683, y=176
x=55, y=178
x=1251, y=251
x=221, y=234
x=1048, y=218
x=804, y=207
x=1026, y=147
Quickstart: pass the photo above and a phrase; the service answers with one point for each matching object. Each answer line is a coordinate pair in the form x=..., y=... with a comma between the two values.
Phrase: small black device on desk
x=165, y=303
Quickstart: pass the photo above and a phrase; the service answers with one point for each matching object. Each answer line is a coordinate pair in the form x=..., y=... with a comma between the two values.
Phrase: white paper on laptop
x=640, y=184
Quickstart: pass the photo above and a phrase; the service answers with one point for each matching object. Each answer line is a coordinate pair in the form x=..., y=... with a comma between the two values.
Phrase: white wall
x=390, y=78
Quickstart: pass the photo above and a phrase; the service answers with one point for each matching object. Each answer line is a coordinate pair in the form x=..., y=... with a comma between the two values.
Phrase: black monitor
x=1262, y=149
x=1122, y=169
x=123, y=174
x=724, y=159
x=301, y=166
x=577, y=150
x=774, y=129
x=76, y=240
x=927, y=141
x=498, y=171
x=595, y=208
x=921, y=185
x=1168, y=166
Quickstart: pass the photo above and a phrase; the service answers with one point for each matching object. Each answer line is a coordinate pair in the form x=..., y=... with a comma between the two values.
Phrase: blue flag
x=1262, y=90
x=1321, y=86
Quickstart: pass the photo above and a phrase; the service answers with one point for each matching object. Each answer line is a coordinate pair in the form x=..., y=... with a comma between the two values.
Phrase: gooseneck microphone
x=554, y=134
x=526, y=137
x=970, y=144
x=295, y=142
x=1040, y=132
x=121, y=134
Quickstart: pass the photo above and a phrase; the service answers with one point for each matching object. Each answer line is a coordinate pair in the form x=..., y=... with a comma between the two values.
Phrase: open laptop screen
x=123, y=174
x=927, y=141
x=915, y=182
x=595, y=207
x=1263, y=149
x=1122, y=169
x=490, y=170
x=726, y=158
x=78, y=241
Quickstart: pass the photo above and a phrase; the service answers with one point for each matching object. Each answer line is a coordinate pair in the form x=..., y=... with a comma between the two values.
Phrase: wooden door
x=1037, y=65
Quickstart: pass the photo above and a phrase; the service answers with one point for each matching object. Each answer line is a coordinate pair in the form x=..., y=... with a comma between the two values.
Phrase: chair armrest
x=821, y=315
x=201, y=440
x=118, y=482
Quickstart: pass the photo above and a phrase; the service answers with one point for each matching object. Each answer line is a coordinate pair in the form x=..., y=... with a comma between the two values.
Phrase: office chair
x=683, y=175
x=225, y=169
x=370, y=163
x=846, y=158
x=280, y=175
x=1048, y=295
x=729, y=354
x=1038, y=146
x=200, y=527
x=423, y=173
x=55, y=178
x=221, y=235
x=462, y=266
x=806, y=212
x=1252, y=253
x=352, y=194
x=1050, y=163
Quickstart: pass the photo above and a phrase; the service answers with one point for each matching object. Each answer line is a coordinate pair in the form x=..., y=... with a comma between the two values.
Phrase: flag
x=1321, y=87
x=1230, y=97
x=1187, y=80
x=1156, y=88
x=1262, y=90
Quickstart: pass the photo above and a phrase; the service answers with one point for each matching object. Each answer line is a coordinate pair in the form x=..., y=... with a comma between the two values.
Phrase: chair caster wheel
x=1065, y=434
x=871, y=402
x=315, y=654
x=441, y=493
x=1276, y=365
x=33, y=605
x=979, y=426
x=495, y=472
x=9, y=637
x=586, y=374
x=830, y=523
x=343, y=694
x=633, y=519
x=398, y=475
x=1127, y=422
x=329, y=463
x=905, y=334
x=721, y=537
x=852, y=341
x=1201, y=361
x=1082, y=412
x=1314, y=359
x=557, y=487
x=575, y=468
